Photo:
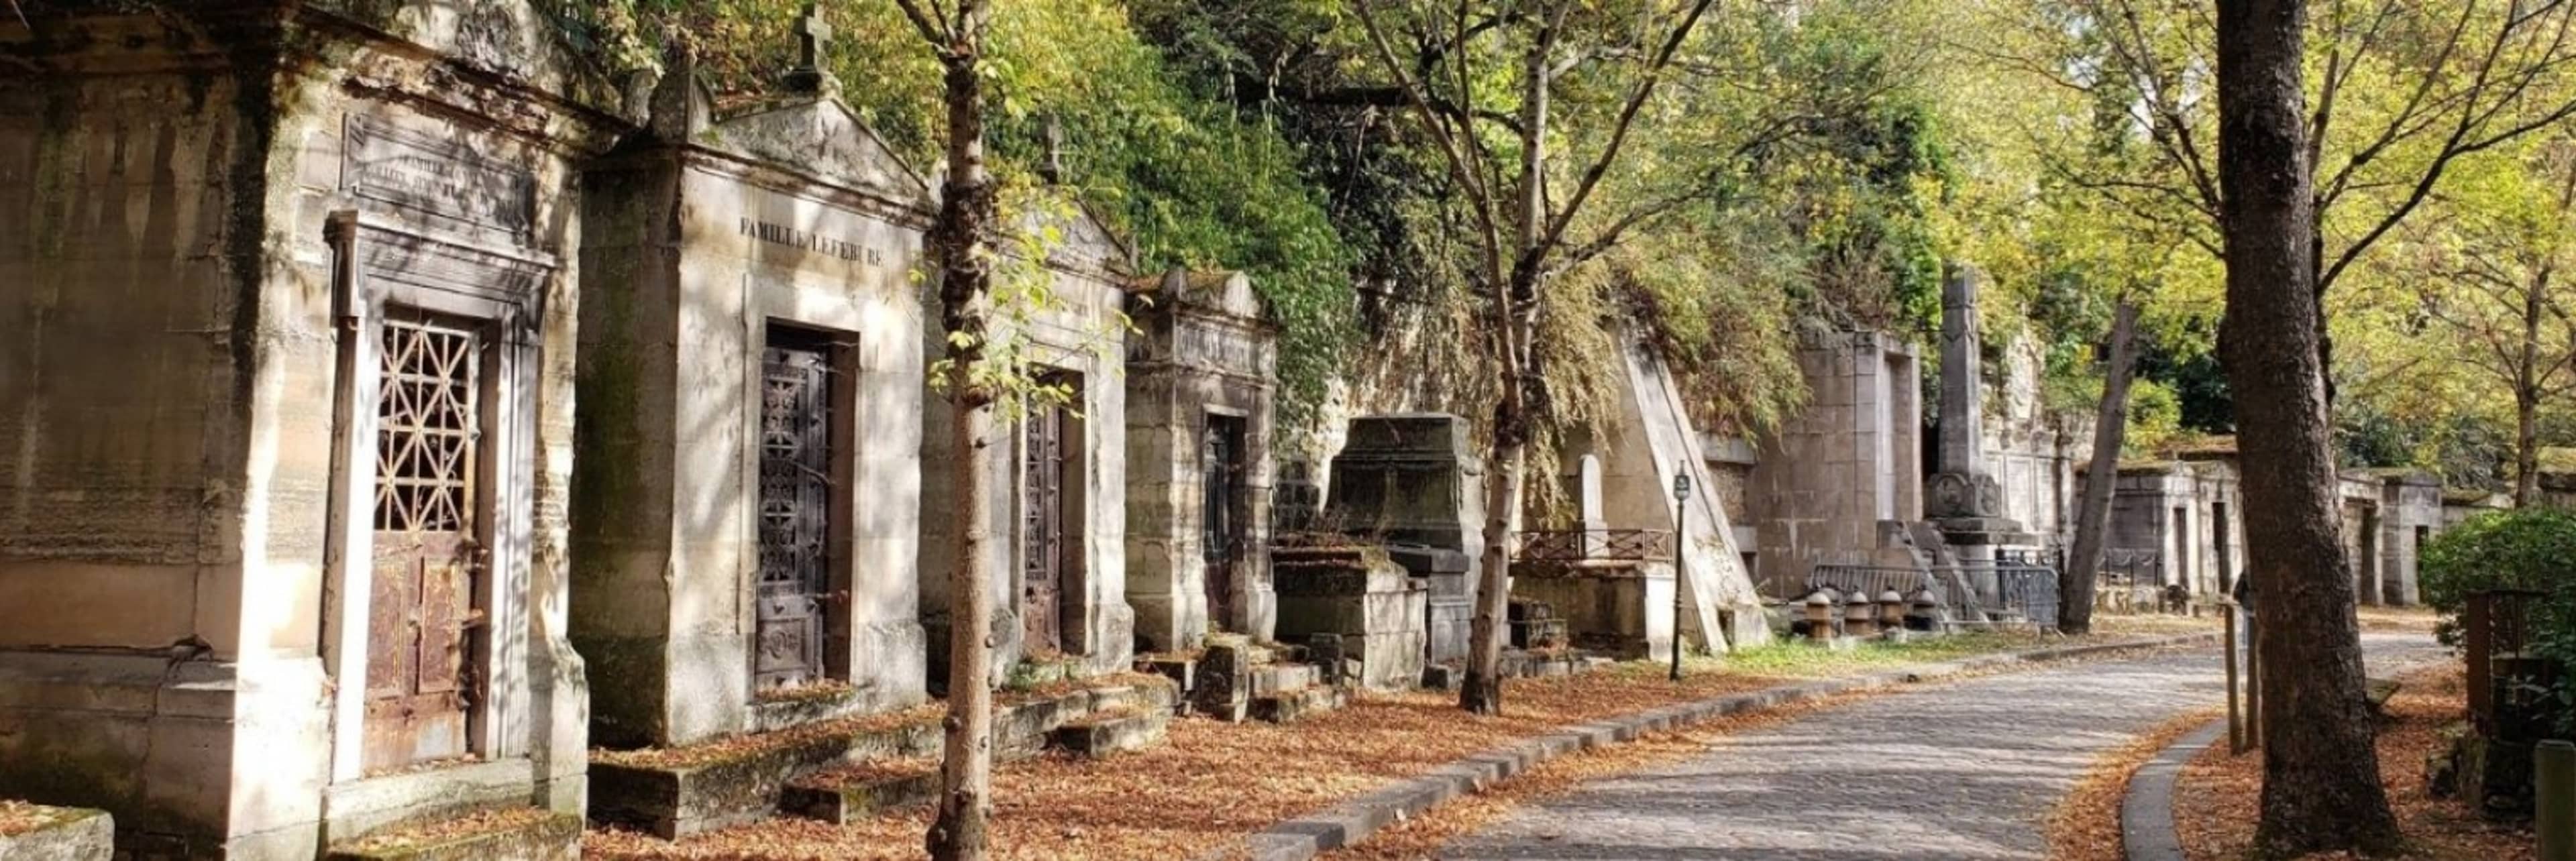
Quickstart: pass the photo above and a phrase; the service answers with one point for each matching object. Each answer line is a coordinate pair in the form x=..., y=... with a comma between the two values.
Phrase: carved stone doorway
x=425, y=619
x=1223, y=507
x=1050, y=448
x=798, y=492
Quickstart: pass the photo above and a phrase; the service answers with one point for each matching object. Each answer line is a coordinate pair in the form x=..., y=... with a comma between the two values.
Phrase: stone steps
x=843, y=798
x=1116, y=733
x=510, y=835
x=1296, y=705
x=743, y=780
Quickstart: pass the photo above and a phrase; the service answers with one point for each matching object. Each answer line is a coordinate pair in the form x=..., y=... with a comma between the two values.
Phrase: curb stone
x=2147, y=809
x=1351, y=821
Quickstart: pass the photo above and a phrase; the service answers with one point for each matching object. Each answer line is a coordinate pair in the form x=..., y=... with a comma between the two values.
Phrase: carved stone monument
x=1412, y=480
x=1964, y=500
x=1200, y=381
x=748, y=501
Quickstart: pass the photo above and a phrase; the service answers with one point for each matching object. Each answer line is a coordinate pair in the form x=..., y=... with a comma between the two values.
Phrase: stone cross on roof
x=812, y=32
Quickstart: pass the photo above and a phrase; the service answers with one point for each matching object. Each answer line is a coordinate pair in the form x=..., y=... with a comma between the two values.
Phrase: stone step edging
x=2147, y=808
x=1351, y=821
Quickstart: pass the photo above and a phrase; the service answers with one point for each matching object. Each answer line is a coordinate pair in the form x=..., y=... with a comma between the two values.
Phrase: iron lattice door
x=795, y=516
x=422, y=670
x=1042, y=528
x=1220, y=532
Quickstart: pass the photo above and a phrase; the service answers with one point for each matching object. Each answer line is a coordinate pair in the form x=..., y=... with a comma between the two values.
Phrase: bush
x=2532, y=548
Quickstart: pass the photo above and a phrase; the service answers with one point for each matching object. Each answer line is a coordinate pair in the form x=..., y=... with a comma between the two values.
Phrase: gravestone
x=1412, y=480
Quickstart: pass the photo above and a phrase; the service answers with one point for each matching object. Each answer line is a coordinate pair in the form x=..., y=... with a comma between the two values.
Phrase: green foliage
x=1190, y=182
x=2523, y=549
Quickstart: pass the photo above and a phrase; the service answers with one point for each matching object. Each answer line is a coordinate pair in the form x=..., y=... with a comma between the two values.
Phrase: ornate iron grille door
x=422, y=671
x=1042, y=528
x=1220, y=486
x=795, y=516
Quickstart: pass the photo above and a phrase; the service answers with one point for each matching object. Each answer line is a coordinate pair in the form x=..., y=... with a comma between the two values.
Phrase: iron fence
x=1578, y=545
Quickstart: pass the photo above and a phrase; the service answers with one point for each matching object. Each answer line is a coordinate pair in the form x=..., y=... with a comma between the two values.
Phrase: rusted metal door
x=1042, y=527
x=423, y=670
x=1220, y=511
x=796, y=478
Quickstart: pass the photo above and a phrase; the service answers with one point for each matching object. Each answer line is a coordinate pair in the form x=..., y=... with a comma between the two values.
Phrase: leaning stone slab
x=532, y=835
x=63, y=834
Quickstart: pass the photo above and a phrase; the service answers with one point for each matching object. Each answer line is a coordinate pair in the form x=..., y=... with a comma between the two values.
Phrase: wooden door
x=1220, y=512
x=1042, y=529
x=423, y=668
x=796, y=493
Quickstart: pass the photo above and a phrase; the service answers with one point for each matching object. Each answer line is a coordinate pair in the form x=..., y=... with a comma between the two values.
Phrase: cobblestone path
x=1965, y=770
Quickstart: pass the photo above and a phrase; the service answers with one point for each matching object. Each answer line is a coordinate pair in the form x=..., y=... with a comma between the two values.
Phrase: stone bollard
x=1891, y=611
x=2554, y=799
x=1860, y=618
x=1820, y=616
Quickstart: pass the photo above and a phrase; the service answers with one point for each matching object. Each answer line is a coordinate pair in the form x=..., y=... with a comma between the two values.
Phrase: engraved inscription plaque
x=443, y=179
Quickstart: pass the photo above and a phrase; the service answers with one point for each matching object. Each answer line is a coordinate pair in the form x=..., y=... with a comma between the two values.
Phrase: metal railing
x=1580, y=545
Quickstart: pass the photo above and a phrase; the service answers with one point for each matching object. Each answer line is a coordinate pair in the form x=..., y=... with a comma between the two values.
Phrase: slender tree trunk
x=2321, y=785
x=2526, y=394
x=966, y=219
x=2526, y=447
x=1515, y=327
x=1482, y=691
x=2093, y=521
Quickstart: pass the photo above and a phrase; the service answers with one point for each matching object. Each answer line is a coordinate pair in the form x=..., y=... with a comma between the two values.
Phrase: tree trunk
x=966, y=219
x=1482, y=691
x=2321, y=786
x=1515, y=327
x=2526, y=447
x=2110, y=432
x=2526, y=392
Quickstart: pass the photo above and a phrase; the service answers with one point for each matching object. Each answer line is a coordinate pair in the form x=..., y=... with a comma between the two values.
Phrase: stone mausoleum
x=1200, y=380
x=290, y=295
x=747, y=509
x=1840, y=482
x=1060, y=516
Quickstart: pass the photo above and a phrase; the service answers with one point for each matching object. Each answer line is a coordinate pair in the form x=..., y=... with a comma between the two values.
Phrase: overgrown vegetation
x=2525, y=549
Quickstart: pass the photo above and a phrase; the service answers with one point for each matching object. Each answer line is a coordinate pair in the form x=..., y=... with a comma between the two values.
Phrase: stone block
x=1294, y=705
x=1114, y=733
x=679, y=795
x=531, y=837
x=68, y=834
x=841, y=801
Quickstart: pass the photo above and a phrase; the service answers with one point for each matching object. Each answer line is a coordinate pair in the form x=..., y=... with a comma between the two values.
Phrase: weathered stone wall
x=1078, y=334
x=1829, y=476
x=667, y=548
x=1205, y=350
x=172, y=411
x=2410, y=505
x=2032, y=452
x=2186, y=514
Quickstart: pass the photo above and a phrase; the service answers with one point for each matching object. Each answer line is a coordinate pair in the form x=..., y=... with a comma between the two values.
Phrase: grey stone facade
x=1077, y=341
x=789, y=220
x=1200, y=384
x=1411, y=480
x=199, y=279
x=1835, y=484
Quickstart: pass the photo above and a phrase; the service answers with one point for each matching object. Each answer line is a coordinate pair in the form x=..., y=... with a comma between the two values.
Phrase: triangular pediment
x=820, y=137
